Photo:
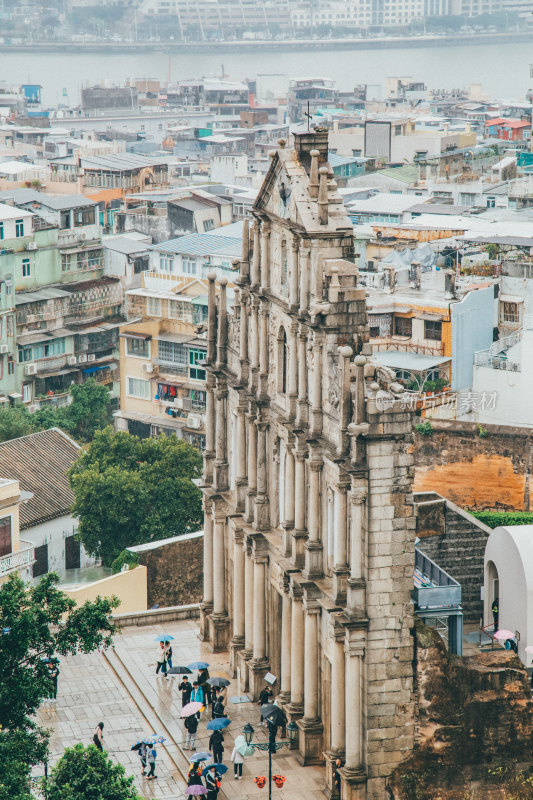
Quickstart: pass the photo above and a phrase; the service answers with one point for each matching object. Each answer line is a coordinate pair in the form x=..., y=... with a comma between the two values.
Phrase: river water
x=502, y=69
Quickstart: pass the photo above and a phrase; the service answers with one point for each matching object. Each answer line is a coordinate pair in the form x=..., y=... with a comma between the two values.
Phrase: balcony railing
x=442, y=592
x=403, y=345
x=484, y=359
x=22, y=559
x=50, y=364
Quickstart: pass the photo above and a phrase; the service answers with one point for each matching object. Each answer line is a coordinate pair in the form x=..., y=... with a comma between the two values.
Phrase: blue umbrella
x=165, y=638
x=220, y=768
x=218, y=724
x=198, y=665
x=154, y=739
x=201, y=756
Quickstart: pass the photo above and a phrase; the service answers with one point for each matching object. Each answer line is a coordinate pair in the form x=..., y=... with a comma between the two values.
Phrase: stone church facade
x=309, y=526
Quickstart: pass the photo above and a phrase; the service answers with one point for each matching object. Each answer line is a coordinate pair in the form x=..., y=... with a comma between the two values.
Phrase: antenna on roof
x=308, y=115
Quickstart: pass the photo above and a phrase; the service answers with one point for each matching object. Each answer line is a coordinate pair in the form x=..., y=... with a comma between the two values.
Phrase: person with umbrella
x=142, y=751
x=238, y=760
x=197, y=695
x=98, y=736
x=191, y=726
x=194, y=777
x=212, y=783
x=160, y=658
x=151, y=758
x=168, y=654
x=216, y=745
x=264, y=698
x=186, y=690
x=218, y=707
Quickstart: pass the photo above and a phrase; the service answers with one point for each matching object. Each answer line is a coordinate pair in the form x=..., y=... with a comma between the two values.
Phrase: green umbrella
x=243, y=748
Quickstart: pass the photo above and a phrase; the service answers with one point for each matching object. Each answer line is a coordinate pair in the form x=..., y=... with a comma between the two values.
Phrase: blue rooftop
x=202, y=244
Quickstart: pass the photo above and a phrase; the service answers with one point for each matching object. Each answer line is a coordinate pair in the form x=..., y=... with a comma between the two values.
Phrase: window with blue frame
x=26, y=268
x=196, y=373
x=1, y=231
x=19, y=228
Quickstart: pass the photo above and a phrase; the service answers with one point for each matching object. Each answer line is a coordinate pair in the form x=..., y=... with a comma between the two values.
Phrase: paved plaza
x=120, y=688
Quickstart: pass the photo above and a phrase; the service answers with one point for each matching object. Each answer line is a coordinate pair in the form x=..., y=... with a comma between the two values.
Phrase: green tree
x=130, y=491
x=37, y=623
x=14, y=422
x=85, y=773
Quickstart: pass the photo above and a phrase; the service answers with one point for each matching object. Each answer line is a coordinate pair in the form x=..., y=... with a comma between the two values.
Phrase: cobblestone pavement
x=121, y=689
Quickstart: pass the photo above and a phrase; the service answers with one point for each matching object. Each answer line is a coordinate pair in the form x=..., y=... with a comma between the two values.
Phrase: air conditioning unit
x=148, y=367
x=91, y=357
x=30, y=369
x=71, y=360
x=82, y=237
x=31, y=246
x=82, y=359
x=33, y=408
x=194, y=421
x=4, y=348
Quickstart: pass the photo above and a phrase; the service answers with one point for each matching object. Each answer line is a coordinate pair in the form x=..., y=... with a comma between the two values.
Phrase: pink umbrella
x=503, y=634
x=191, y=708
x=195, y=789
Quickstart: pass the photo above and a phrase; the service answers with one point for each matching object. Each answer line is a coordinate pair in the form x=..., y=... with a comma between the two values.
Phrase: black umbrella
x=219, y=682
x=272, y=714
x=179, y=671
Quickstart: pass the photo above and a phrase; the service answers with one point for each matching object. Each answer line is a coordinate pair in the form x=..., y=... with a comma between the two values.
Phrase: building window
x=403, y=326
x=26, y=268
x=154, y=306
x=137, y=387
x=10, y=365
x=177, y=309
x=209, y=225
x=140, y=348
x=26, y=393
x=5, y=536
x=173, y=352
x=41, y=561
x=72, y=553
x=433, y=330
x=65, y=262
x=188, y=266
x=166, y=263
x=1, y=231
x=19, y=228
x=196, y=373
x=511, y=312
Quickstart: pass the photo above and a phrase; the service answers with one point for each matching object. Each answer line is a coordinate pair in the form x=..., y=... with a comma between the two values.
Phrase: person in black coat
x=216, y=745
x=218, y=708
x=212, y=784
x=186, y=690
x=191, y=726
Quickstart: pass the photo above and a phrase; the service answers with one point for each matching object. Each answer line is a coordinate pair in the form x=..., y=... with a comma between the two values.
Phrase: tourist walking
x=53, y=670
x=151, y=758
x=191, y=726
x=212, y=784
x=197, y=695
x=98, y=736
x=495, y=608
x=161, y=662
x=194, y=776
x=238, y=761
x=265, y=696
x=186, y=690
x=142, y=753
x=216, y=746
x=337, y=776
x=218, y=708
x=168, y=654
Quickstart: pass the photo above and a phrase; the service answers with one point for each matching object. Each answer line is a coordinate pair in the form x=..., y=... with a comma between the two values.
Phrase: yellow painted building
x=15, y=554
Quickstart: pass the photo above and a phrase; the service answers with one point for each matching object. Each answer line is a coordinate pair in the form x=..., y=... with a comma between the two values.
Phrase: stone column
x=295, y=276
x=265, y=257
x=262, y=506
x=210, y=426
x=302, y=378
x=292, y=388
x=288, y=515
x=254, y=349
x=259, y=662
x=256, y=256
x=356, y=582
x=239, y=599
x=206, y=607
x=243, y=339
x=221, y=474
x=316, y=387
x=299, y=533
x=240, y=455
x=340, y=569
x=337, y=705
x=263, y=350
x=296, y=706
x=313, y=545
x=305, y=267
x=352, y=775
x=245, y=655
x=286, y=622
x=311, y=729
x=219, y=620
x=252, y=467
